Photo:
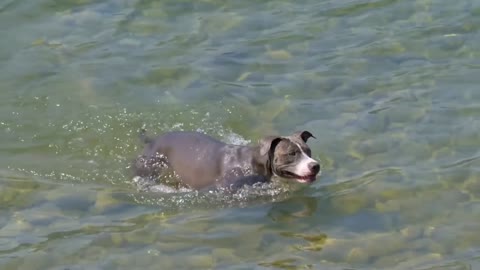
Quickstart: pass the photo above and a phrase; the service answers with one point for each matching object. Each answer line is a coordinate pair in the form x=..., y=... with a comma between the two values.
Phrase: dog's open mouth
x=306, y=178
x=302, y=179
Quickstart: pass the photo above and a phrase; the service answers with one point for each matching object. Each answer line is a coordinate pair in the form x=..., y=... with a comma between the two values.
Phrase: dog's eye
x=292, y=154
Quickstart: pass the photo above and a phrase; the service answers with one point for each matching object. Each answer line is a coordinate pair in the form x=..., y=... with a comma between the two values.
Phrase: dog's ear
x=268, y=144
x=263, y=156
x=303, y=135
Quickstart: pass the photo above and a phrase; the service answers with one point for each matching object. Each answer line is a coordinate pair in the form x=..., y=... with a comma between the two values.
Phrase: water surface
x=389, y=88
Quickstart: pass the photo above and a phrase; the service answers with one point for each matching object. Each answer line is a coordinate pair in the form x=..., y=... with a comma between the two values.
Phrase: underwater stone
x=74, y=203
x=117, y=239
x=411, y=232
x=357, y=255
x=140, y=237
x=350, y=203
x=279, y=55
x=416, y=262
x=105, y=201
x=387, y=262
x=334, y=249
x=37, y=260
x=200, y=261
x=226, y=255
x=384, y=244
x=472, y=186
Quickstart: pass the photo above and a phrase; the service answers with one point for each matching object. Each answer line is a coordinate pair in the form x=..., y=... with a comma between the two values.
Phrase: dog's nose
x=314, y=167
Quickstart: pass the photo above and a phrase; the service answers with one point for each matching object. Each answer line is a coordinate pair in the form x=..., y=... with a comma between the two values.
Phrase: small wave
x=461, y=163
x=172, y=199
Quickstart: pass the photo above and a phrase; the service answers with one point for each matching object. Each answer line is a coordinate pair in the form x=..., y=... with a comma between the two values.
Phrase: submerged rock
x=358, y=256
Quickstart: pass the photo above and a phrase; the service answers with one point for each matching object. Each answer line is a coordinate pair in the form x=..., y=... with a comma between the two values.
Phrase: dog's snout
x=314, y=167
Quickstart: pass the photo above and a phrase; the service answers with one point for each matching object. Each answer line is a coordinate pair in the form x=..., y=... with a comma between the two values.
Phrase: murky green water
x=390, y=89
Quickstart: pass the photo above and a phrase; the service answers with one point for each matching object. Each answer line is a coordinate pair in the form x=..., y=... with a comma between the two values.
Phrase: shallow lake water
x=389, y=88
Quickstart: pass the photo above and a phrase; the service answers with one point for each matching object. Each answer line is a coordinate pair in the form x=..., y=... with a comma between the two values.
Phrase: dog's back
x=193, y=156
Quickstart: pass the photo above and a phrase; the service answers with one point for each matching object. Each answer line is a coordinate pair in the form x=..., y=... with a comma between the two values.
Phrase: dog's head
x=290, y=157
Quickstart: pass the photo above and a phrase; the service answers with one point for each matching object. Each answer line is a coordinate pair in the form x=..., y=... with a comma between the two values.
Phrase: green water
x=389, y=88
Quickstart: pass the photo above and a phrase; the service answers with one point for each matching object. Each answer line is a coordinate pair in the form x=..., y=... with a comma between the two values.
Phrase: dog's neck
x=261, y=164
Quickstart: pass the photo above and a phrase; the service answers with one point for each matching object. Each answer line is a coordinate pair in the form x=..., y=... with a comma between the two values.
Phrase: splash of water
x=183, y=198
